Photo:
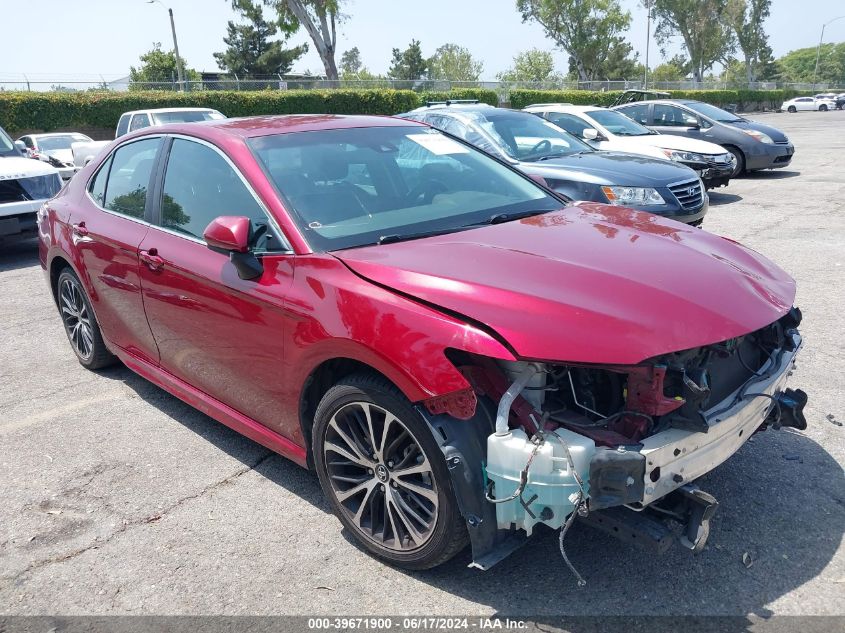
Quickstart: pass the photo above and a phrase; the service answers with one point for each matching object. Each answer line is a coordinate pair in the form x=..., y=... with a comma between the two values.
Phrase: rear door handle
x=151, y=259
x=79, y=229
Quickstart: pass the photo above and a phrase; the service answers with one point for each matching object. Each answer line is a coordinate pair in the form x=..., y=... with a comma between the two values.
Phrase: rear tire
x=739, y=168
x=792, y=109
x=366, y=433
x=81, y=327
x=823, y=108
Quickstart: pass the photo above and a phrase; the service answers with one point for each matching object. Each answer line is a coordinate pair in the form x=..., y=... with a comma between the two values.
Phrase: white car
x=613, y=131
x=54, y=149
x=800, y=104
x=84, y=153
x=24, y=186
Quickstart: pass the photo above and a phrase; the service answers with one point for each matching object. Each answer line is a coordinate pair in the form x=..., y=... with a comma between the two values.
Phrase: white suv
x=24, y=186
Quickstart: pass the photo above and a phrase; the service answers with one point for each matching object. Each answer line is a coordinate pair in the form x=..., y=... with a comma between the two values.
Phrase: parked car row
x=460, y=352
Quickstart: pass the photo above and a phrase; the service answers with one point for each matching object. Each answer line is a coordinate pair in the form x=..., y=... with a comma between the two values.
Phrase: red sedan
x=459, y=353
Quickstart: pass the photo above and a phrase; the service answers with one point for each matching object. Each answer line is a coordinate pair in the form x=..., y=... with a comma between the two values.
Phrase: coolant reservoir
x=551, y=491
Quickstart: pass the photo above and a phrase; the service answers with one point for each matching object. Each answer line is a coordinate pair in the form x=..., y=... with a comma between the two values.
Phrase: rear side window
x=129, y=177
x=97, y=188
x=637, y=112
x=200, y=185
x=139, y=121
x=122, y=125
x=569, y=122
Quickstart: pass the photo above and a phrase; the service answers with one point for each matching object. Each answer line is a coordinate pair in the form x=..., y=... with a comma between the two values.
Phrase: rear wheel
x=792, y=109
x=81, y=326
x=739, y=168
x=384, y=474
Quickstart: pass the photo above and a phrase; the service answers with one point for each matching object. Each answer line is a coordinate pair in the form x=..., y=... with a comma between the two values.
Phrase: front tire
x=792, y=109
x=823, y=108
x=739, y=168
x=81, y=326
x=384, y=475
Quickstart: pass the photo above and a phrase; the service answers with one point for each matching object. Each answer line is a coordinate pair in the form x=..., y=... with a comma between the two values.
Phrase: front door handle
x=79, y=229
x=151, y=259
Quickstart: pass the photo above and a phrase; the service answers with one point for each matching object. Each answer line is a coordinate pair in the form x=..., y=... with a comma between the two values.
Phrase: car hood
x=590, y=283
x=776, y=135
x=671, y=141
x=14, y=167
x=610, y=168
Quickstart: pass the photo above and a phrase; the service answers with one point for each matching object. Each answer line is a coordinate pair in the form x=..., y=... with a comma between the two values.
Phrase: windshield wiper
x=548, y=156
x=403, y=237
x=499, y=218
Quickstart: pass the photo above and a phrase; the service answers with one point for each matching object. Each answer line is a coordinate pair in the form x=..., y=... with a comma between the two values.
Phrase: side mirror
x=19, y=145
x=230, y=234
x=590, y=134
x=538, y=179
x=693, y=125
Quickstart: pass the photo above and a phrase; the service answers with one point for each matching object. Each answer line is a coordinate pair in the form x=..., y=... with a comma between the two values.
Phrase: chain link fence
x=210, y=81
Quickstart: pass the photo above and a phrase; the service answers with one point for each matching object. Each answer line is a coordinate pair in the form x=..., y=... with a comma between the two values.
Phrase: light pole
x=819, y=48
x=647, y=4
x=180, y=76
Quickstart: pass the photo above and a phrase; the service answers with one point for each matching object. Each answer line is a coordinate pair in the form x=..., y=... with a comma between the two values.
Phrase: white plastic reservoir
x=550, y=479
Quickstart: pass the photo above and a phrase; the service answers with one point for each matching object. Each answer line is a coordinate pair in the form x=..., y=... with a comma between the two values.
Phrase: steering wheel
x=543, y=145
x=425, y=191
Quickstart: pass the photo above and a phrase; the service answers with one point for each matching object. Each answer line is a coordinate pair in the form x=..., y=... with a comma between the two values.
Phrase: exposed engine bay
x=621, y=446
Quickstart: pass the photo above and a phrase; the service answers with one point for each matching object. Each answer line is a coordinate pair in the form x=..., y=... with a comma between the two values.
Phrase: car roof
x=447, y=107
x=250, y=127
x=154, y=110
x=49, y=134
x=564, y=107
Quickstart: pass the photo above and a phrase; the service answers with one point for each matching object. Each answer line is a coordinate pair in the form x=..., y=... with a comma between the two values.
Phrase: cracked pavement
x=120, y=499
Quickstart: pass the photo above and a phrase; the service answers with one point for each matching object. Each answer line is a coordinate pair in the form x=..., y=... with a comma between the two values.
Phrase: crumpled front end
x=622, y=446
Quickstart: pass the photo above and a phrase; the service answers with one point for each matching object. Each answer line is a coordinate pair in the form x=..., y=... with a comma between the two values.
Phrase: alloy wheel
x=381, y=477
x=76, y=318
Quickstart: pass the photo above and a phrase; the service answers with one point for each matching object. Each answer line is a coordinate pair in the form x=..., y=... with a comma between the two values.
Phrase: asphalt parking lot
x=119, y=499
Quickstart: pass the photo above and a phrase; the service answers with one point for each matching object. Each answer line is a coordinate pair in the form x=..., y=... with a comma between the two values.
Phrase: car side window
x=139, y=121
x=122, y=125
x=129, y=177
x=671, y=116
x=97, y=187
x=199, y=186
x=569, y=122
x=637, y=112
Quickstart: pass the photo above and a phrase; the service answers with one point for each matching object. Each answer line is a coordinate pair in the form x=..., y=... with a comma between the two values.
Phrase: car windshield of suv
x=618, y=124
x=527, y=137
x=358, y=186
x=53, y=143
x=7, y=147
x=717, y=114
x=162, y=118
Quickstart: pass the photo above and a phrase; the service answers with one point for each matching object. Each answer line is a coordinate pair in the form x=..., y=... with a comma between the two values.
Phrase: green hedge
x=481, y=94
x=742, y=98
x=49, y=111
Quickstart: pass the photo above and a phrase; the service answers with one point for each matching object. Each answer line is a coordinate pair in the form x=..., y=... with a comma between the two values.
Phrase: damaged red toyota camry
x=460, y=354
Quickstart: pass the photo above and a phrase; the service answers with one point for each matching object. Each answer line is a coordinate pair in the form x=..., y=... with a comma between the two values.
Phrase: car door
x=672, y=119
x=215, y=331
x=108, y=224
x=807, y=104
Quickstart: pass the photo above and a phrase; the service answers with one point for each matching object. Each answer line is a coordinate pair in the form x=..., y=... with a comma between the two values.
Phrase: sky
x=83, y=40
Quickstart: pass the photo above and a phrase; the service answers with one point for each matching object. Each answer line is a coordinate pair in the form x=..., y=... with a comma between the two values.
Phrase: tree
x=531, y=66
x=586, y=29
x=250, y=51
x=618, y=63
x=798, y=65
x=350, y=62
x=320, y=19
x=700, y=23
x=408, y=64
x=454, y=63
x=158, y=67
x=675, y=69
x=745, y=18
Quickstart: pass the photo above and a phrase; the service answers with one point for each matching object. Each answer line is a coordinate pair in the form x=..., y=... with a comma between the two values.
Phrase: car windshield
x=192, y=116
x=717, y=114
x=526, y=137
x=617, y=123
x=53, y=143
x=359, y=186
x=6, y=144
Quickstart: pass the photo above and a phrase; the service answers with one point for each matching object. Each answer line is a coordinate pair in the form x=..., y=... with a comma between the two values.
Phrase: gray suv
x=754, y=145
